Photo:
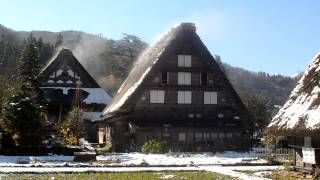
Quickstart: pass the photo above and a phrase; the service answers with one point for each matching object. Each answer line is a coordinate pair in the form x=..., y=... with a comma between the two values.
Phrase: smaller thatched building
x=298, y=122
x=65, y=82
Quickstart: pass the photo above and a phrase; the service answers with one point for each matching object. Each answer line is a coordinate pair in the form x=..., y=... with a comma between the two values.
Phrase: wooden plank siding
x=152, y=120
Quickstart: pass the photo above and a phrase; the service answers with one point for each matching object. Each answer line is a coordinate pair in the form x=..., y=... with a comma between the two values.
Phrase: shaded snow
x=5, y=160
x=302, y=108
x=96, y=95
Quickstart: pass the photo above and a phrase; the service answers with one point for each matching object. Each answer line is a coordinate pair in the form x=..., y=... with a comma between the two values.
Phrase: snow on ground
x=228, y=163
x=26, y=161
x=235, y=171
x=182, y=158
x=136, y=159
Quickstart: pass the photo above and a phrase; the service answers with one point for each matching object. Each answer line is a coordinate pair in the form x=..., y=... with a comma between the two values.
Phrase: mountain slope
x=109, y=62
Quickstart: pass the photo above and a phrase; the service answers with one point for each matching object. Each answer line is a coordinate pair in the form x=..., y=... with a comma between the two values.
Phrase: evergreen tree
x=24, y=112
x=25, y=120
x=45, y=51
x=258, y=108
x=29, y=68
x=7, y=89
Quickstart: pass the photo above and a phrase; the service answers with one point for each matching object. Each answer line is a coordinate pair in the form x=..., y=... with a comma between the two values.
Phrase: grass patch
x=122, y=176
x=285, y=175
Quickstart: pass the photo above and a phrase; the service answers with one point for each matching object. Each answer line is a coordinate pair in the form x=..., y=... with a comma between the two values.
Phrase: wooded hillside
x=109, y=61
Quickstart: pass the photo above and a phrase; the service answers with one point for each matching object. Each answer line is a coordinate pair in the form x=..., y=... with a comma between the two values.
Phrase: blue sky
x=272, y=36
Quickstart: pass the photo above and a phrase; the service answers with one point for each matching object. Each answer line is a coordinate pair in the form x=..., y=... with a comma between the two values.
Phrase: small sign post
x=309, y=155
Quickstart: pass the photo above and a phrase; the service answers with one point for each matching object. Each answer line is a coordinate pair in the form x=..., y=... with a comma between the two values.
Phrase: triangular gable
x=147, y=61
x=64, y=70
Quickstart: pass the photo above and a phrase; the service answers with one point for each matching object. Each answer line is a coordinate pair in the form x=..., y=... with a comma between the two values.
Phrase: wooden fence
x=278, y=154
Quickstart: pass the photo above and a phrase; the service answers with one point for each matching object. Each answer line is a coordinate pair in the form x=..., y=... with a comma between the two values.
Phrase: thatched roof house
x=297, y=124
x=177, y=92
x=60, y=78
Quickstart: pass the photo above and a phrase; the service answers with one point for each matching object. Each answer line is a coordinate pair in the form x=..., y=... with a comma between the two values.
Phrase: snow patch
x=181, y=158
x=96, y=95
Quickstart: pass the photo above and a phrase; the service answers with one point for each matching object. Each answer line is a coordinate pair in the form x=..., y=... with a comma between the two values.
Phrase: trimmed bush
x=154, y=146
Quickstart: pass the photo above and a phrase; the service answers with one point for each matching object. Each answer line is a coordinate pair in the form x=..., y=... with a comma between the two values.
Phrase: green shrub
x=154, y=146
x=104, y=149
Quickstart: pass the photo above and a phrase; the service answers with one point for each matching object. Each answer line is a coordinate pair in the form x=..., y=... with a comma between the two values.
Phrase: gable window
x=184, y=78
x=222, y=135
x=206, y=136
x=184, y=60
x=214, y=135
x=307, y=141
x=182, y=136
x=165, y=77
x=184, y=97
x=210, y=97
x=166, y=135
x=156, y=96
x=198, y=136
x=203, y=78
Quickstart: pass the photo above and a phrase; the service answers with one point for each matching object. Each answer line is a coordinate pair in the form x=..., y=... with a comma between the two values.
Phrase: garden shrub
x=154, y=146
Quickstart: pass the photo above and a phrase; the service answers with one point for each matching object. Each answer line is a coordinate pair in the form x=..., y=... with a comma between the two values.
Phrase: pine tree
x=259, y=111
x=24, y=112
x=29, y=68
x=25, y=120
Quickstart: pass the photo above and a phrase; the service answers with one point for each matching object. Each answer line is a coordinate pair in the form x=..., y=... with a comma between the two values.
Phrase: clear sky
x=275, y=36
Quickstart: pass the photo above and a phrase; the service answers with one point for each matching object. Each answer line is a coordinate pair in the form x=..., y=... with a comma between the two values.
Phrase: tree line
x=18, y=90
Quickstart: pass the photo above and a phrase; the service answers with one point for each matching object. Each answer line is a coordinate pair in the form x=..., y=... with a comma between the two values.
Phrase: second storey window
x=184, y=97
x=165, y=77
x=210, y=97
x=184, y=78
x=184, y=60
x=156, y=96
x=203, y=78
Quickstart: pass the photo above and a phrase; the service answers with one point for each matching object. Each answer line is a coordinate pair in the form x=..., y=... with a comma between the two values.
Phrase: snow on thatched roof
x=302, y=110
x=96, y=95
x=142, y=67
x=89, y=85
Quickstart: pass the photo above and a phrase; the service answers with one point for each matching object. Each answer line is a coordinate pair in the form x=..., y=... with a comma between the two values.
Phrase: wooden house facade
x=64, y=82
x=178, y=93
x=297, y=124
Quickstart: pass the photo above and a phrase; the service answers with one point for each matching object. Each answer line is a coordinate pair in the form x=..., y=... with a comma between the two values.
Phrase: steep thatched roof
x=66, y=56
x=301, y=113
x=124, y=102
x=95, y=94
x=142, y=67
